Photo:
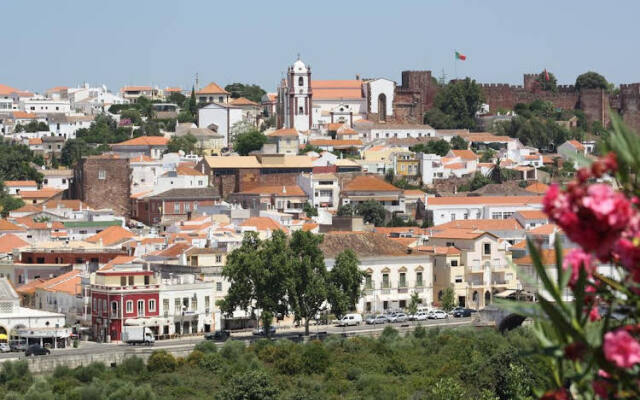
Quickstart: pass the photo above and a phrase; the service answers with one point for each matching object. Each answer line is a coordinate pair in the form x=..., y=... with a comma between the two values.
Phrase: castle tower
x=298, y=104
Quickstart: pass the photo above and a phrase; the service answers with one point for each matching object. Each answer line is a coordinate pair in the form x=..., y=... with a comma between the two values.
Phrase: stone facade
x=104, y=182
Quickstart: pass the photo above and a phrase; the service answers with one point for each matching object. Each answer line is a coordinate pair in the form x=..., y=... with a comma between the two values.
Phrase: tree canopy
x=591, y=80
x=176, y=98
x=345, y=282
x=455, y=106
x=74, y=149
x=440, y=147
x=248, y=91
x=248, y=141
x=371, y=211
x=458, y=143
x=186, y=143
x=550, y=85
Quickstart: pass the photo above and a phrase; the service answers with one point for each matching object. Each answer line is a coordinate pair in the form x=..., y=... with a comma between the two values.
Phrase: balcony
x=499, y=282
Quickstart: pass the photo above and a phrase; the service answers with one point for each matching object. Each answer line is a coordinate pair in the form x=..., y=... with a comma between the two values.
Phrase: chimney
x=284, y=189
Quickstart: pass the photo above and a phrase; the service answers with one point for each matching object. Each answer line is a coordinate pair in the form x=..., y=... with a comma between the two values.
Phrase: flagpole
x=455, y=64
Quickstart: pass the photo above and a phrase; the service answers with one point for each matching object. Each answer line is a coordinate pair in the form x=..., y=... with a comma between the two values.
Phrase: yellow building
x=406, y=164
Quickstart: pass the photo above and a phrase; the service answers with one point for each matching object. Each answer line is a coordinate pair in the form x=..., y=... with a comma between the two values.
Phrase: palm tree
x=496, y=173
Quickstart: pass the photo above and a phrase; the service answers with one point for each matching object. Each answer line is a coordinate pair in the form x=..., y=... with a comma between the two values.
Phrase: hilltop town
x=122, y=209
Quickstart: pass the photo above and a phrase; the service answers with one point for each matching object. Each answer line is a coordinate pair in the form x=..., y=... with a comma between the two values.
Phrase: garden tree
x=104, y=130
x=496, y=173
x=440, y=147
x=307, y=148
x=259, y=273
x=36, y=126
x=388, y=175
x=132, y=115
x=487, y=155
x=308, y=289
x=475, y=183
x=371, y=211
x=447, y=302
x=186, y=143
x=74, y=149
x=8, y=203
x=345, y=210
x=345, y=281
x=145, y=106
x=455, y=106
x=591, y=80
x=248, y=141
x=252, y=384
x=547, y=81
x=19, y=128
x=398, y=221
x=251, y=92
x=414, y=302
x=310, y=210
x=542, y=133
x=176, y=98
x=458, y=143
x=15, y=163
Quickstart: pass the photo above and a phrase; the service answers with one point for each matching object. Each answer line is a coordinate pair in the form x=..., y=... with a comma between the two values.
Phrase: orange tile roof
x=10, y=242
x=413, y=192
x=347, y=132
x=405, y=241
x=537, y=187
x=336, y=94
x=533, y=214
x=7, y=90
x=212, y=88
x=175, y=250
x=577, y=145
x=465, y=154
x=29, y=288
x=264, y=224
x=74, y=205
x=29, y=208
x=456, y=233
x=69, y=282
x=135, y=88
x=185, y=170
x=242, y=101
x=336, y=143
x=546, y=229
x=334, y=126
x=459, y=200
x=482, y=224
x=448, y=250
x=369, y=183
x=173, y=89
x=520, y=245
x=20, y=183
x=35, y=141
x=532, y=157
x=141, y=158
x=117, y=261
x=8, y=226
x=44, y=193
x=309, y=226
x=343, y=84
x=110, y=236
x=278, y=190
x=144, y=141
x=283, y=132
x=412, y=230
x=24, y=115
x=548, y=257
x=457, y=165
x=29, y=223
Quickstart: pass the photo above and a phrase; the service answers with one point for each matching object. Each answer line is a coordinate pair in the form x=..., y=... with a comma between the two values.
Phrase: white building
x=431, y=168
x=57, y=178
x=187, y=303
x=447, y=209
x=399, y=131
x=323, y=189
x=67, y=125
x=181, y=178
x=220, y=117
x=44, y=106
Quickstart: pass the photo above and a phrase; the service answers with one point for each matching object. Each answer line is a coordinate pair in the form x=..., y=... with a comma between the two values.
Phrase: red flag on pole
x=546, y=75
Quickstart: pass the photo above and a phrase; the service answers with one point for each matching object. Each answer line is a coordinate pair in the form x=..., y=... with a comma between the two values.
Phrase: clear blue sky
x=49, y=43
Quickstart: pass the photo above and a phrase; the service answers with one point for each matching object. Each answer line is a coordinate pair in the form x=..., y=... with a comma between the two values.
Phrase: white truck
x=134, y=335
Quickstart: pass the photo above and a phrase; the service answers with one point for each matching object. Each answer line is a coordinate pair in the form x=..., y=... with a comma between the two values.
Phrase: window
x=458, y=278
x=454, y=263
x=466, y=215
x=300, y=81
x=131, y=280
x=177, y=305
x=453, y=217
x=218, y=258
x=187, y=207
x=123, y=281
x=219, y=286
x=152, y=305
x=385, y=281
x=102, y=174
x=300, y=110
x=176, y=208
x=403, y=280
x=114, y=308
x=146, y=279
x=496, y=215
x=450, y=244
x=194, y=304
x=368, y=283
x=129, y=306
x=165, y=305
x=221, y=99
x=207, y=302
x=368, y=306
x=487, y=249
x=141, y=308
x=104, y=305
x=95, y=306
x=418, y=279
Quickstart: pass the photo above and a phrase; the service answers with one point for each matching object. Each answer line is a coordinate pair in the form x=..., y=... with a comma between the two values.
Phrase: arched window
x=487, y=298
x=382, y=107
x=114, y=308
x=475, y=297
x=440, y=295
x=300, y=81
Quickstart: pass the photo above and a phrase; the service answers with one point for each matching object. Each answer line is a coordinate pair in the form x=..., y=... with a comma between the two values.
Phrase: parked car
x=438, y=314
x=217, y=336
x=16, y=345
x=36, y=350
x=465, y=312
x=421, y=316
x=260, y=331
x=350, y=320
x=455, y=309
x=376, y=319
x=399, y=317
x=5, y=348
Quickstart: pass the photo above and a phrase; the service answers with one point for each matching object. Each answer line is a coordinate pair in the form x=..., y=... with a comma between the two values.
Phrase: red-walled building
x=122, y=295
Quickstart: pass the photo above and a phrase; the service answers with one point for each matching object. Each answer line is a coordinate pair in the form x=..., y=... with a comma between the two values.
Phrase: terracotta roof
x=334, y=126
x=465, y=154
x=283, y=132
x=537, y=187
x=69, y=282
x=455, y=200
x=413, y=192
x=232, y=162
x=8, y=226
x=484, y=137
x=324, y=90
x=336, y=143
x=482, y=224
x=548, y=257
x=405, y=241
x=7, y=90
x=111, y=236
x=35, y=141
x=347, y=131
x=263, y=224
x=457, y=165
x=10, y=242
x=411, y=230
x=44, y=193
x=533, y=214
x=343, y=84
x=438, y=250
x=30, y=287
x=212, y=88
x=520, y=245
x=279, y=190
x=184, y=170
x=141, y=158
x=24, y=115
x=134, y=88
x=117, y=261
x=173, y=89
x=144, y=141
x=577, y=145
x=20, y=183
x=242, y=101
x=532, y=157
x=364, y=244
x=309, y=226
x=175, y=250
x=369, y=183
x=74, y=205
x=29, y=223
x=546, y=229
x=456, y=233
x=28, y=208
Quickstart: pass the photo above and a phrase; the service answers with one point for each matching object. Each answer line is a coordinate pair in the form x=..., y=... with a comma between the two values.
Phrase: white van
x=350, y=320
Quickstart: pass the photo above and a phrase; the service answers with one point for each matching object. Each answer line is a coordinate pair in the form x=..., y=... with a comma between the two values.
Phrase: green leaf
x=549, y=286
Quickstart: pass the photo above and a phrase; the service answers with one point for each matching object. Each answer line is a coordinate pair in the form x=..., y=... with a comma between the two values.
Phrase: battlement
x=629, y=86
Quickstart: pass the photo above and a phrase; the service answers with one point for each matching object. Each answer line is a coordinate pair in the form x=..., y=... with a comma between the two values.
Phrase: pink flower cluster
x=621, y=349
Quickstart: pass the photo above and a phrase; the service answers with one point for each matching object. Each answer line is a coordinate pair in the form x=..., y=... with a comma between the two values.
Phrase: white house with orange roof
x=15, y=187
x=282, y=141
x=264, y=226
x=432, y=168
x=571, y=150
x=212, y=93
x=467, y=158
x=530, y=219
x=322, y=189
x=363, y=188
x=446, y=209
x=221, y=117
x=65, y=294
x=151, y=146
x=182, y=177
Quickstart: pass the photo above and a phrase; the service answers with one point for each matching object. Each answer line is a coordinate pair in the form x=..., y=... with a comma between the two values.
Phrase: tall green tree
x=309, y=210
x=309, y=277
x=440, y=147
x=145, y=106
x=458, y=143
x=176, y=98
x=249, y=141
x=448, y=299
x=371, y=212
x=591, y=80
x=455, y=106
x=259, y=273
x=414, y=302
x=15, y=163
x=186, y=143
x=345, y=283
x=345, y=210
x=249, y=91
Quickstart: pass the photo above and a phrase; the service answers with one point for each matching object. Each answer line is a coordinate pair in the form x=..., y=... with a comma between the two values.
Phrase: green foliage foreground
x=427, y=364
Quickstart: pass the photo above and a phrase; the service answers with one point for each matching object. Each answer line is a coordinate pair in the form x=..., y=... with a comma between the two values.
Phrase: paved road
x=88, y=348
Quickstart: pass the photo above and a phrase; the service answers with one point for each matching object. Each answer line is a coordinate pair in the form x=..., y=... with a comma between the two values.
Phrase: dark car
x=463, y=313
x=218, y=336
x=36, y=350
x=260, y=331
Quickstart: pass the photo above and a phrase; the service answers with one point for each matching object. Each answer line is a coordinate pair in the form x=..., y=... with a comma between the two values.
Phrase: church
x=306, y=104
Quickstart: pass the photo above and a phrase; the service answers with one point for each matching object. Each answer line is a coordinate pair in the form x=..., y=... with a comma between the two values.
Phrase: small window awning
x=505, y=293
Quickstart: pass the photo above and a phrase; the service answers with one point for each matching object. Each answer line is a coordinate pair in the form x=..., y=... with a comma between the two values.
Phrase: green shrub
x=132, y=366
x=420, y=332
x=315, y=357
x=161, y=361
x=87, y=373
x=388, y=334
x=194, y=358
x=206, y=346
x=232, y=350
x=250, y=385
x=211, y=362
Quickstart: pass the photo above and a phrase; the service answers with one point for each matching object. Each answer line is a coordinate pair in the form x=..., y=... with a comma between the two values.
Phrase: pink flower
x=621, y=348
x=594, y=314
x=601, y=388
x=608, y=205
x=577, y=259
